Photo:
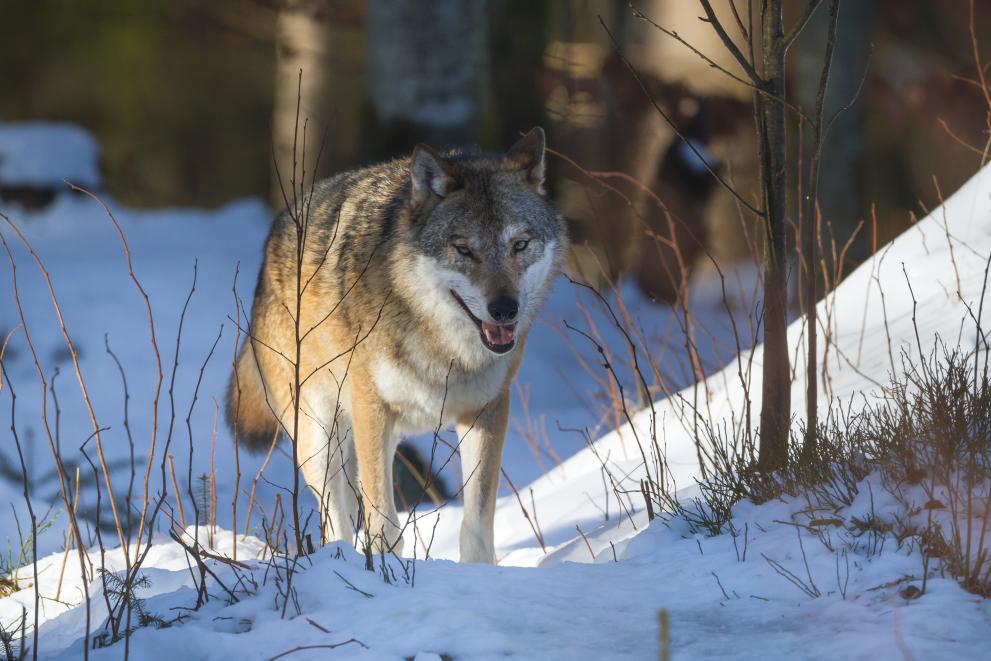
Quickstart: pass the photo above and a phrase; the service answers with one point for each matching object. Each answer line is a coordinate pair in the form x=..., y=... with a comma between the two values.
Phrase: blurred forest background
x=190, y=100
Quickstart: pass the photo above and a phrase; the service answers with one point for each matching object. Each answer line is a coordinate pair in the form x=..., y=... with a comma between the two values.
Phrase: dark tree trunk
x=811, y=233
x=775, y=414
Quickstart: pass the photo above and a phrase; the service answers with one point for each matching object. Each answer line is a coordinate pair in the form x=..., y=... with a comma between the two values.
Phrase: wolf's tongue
x=498, y=335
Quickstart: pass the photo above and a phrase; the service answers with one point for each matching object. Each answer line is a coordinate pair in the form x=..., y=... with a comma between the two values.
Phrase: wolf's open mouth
x=496, y=338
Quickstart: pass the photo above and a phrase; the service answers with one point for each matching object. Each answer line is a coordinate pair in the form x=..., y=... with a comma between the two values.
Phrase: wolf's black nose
x=503, y=309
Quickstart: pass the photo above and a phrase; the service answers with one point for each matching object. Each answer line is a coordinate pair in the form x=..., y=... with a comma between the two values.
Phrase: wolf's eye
x=521, y=245
x=464, y=251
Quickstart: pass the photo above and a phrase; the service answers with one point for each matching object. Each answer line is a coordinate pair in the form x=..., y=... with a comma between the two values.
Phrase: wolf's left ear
x=429, y=174
x=528, y=153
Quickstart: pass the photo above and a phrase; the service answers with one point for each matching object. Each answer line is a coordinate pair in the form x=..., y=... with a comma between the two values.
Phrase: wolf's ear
x=429, y=174
x=528, y=153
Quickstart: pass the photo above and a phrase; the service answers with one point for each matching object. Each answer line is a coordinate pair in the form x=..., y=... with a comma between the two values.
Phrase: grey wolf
x=420, y=280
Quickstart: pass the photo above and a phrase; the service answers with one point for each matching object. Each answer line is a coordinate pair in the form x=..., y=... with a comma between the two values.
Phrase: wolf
x=410, y=286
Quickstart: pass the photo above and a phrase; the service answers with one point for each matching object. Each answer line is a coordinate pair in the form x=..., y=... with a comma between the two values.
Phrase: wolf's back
x=342, y=251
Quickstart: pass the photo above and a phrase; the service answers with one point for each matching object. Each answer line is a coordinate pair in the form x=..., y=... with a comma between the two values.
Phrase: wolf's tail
x=249, y=412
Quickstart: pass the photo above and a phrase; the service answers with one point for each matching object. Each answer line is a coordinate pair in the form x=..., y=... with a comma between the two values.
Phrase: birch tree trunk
x=302, y=43
x=427, y=70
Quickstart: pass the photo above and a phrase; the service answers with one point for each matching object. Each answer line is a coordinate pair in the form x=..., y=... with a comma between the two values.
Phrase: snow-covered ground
x=599, y=586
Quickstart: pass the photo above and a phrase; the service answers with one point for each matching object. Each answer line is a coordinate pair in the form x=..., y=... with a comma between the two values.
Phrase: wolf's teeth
x=498, y=335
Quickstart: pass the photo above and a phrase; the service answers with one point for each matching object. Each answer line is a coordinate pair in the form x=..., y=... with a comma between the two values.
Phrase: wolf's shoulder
x=373, y=183
x=364, y=194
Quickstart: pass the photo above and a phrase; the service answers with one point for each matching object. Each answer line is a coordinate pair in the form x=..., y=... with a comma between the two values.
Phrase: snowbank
x=41, y=154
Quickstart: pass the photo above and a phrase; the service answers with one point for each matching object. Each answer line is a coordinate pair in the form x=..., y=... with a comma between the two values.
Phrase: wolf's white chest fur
x=422, y=402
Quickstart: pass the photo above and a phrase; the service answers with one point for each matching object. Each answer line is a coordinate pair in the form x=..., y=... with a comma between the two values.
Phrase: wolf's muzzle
x=499, y=337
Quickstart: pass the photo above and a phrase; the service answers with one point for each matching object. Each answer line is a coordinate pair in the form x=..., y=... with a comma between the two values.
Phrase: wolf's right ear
x=429, y=174
x=528, y=154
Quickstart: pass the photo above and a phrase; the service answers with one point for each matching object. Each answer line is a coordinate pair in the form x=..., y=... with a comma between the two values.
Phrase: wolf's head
x=484, y=244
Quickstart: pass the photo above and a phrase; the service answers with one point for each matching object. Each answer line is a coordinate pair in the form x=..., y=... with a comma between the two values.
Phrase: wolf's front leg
x=328, y=464
x=375, y=445
x=481, y=439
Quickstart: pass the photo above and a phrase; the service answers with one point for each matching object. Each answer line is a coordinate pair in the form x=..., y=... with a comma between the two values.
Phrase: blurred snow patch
x=42, y=154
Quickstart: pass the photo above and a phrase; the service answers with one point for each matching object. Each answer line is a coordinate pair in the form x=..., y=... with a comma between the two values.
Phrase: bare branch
x=748, y=67
x=802, y=22
x=637, y=13
x=756, y=88
x=739, y=22
x=811, y=293
x=853, y=99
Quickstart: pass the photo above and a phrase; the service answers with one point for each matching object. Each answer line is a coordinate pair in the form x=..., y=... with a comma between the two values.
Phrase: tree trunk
x=812, y=167
x=426, y=62
x=775, y=414
x=302, y=43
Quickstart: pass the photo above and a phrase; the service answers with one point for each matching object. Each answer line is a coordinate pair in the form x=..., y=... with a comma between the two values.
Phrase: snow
x=597, y=588
x=42, y=154
x=724, y=600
